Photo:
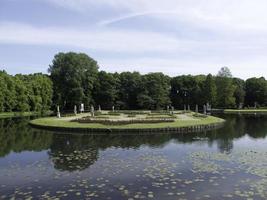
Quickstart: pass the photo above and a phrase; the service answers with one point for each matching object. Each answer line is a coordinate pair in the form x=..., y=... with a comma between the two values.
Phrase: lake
x=228, y=163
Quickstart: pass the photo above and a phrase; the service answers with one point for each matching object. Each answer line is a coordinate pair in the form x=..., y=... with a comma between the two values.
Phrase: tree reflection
x=17, y=136
x=70, y=152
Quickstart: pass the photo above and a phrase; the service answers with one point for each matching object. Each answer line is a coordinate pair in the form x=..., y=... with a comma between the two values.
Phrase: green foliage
x=186, y=90
x=73, y=76
x=240, y=92
x=155, y=91
x=225, y=92
x=129, y=89
x=210, y=90
x=106, y=93
x=256, y=91
x=22, y=93
x=225, y=72
x=225, y=89
x=75, y=79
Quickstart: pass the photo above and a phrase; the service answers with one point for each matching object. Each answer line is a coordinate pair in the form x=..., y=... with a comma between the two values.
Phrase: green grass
x=245, y=111
x=65, y=123
x=20, y=114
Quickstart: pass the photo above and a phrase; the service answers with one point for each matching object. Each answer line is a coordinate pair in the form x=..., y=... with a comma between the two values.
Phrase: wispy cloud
x=171, y=35
x=102, y=39
x=238, y=14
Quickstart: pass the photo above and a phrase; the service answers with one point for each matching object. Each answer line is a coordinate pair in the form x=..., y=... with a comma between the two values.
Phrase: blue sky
x=171, y=36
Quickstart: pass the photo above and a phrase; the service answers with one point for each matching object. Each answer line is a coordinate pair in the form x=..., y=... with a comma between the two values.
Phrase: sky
x=172, y=36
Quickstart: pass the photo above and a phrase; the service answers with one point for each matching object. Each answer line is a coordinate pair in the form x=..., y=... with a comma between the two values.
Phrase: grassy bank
x=245, y=111
x=65, y=122
x=22, y=114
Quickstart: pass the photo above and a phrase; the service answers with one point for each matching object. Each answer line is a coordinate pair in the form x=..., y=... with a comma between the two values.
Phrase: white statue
x=82, y=108
x=92, y=111
x=75, y=110
x=58, y=112
x=205, y=109
x=196, y=108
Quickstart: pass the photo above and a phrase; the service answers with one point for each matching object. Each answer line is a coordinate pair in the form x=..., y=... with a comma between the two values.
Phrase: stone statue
x=75, y=110
x=92, y=111
x=196, y=108
x=113, y=109
x=82, y=108
x=205, y=109
x=58, y=112
x=99, y=108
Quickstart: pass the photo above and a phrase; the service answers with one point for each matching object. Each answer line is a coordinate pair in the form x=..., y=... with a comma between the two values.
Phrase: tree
x=239, y=93
x=210, y=90
x=130, y=87
x=9, y=92
x=155, y=89
x=3, y=90
x=22, y=94
x=256, y=91
x=106, y=90
x=73, y=76
x=185, y=90
x=41, y=92
x=225, y=89
x=225, y=72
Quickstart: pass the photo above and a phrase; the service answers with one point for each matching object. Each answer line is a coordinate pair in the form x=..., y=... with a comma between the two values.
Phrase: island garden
x=74, y=79
x=200, y=155
x=131, y=121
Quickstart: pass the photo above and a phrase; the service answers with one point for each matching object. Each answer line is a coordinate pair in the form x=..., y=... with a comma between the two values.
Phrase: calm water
x=229, y=163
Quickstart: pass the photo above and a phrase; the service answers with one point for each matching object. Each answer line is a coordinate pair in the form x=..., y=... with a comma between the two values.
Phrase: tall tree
x=106, y=90
x=225, y=89
x=256, y=91
x=130, y=87
x=239, y=93
x=210, y=90
x=225, y=72
x=185, y=90
x=155, y=91
x=73, y=76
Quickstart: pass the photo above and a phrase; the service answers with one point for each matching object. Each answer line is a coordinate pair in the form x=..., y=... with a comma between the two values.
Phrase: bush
x=133, y=112
x=114, y=113
x=122, y=122
x=131, y=115
x=198, y=115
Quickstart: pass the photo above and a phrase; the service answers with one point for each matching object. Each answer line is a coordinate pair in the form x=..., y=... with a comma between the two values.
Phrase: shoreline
x=179, y=126
x=6, y=115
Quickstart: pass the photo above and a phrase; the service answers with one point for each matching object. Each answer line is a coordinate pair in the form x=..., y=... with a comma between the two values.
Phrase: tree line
x=75, y=78
x=22, y=93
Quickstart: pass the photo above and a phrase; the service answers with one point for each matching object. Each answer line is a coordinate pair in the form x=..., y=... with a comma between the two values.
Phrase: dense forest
x=75, y=78
x=22, y=93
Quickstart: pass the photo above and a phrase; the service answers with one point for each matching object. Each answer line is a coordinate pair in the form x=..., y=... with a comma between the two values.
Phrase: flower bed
x=122, y=121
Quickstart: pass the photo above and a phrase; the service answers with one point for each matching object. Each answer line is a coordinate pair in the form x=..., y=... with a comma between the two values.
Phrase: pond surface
x=229, y=163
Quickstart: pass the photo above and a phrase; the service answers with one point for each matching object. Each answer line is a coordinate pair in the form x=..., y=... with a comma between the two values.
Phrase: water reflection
x=166, y=166
x=17, y=136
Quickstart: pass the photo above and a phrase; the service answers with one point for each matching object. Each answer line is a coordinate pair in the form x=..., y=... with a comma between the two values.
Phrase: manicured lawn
x=179, y=122
x=245, y=111
x=20, y=114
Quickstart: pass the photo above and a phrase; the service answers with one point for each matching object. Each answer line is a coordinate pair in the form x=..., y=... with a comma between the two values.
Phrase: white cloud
x=102, y=39
x=216, y=33
x=174, y=67
x=234, y=14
